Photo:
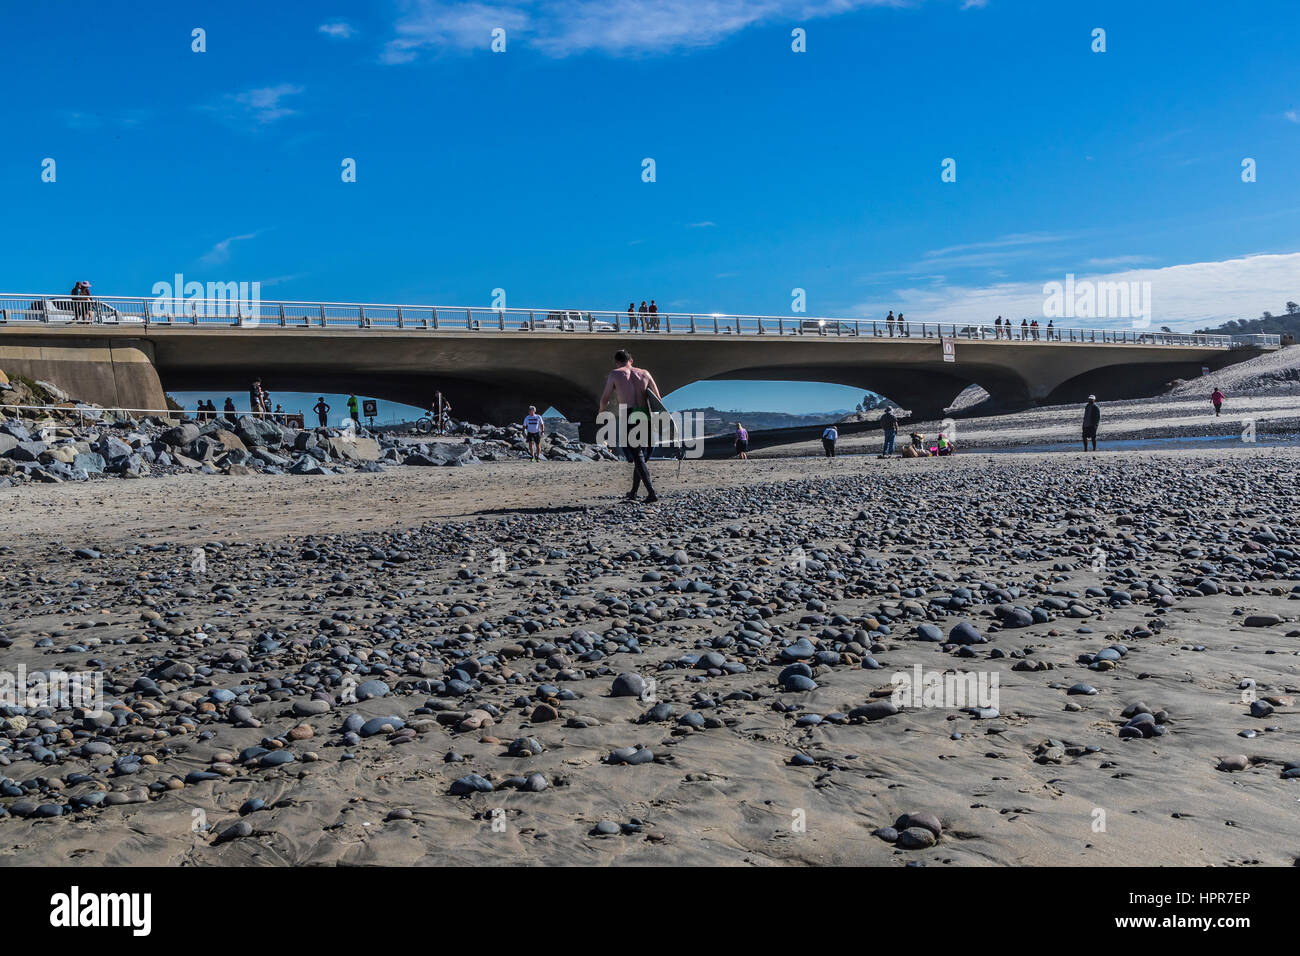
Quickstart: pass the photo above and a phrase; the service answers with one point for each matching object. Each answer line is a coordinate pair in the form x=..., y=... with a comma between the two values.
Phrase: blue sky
x=775, y=170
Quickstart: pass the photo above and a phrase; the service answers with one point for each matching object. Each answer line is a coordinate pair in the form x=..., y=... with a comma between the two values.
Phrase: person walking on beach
x=1216, y=397
x=742, y=442
x=829, y=437
x=1091, y=419
x=534, y=429
x=631, y=316
x=353, y=409
x=889, y=425
x=629, y=385
x=322, y=411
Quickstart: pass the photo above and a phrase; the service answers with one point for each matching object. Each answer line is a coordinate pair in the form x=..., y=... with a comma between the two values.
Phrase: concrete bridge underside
x=494, y=376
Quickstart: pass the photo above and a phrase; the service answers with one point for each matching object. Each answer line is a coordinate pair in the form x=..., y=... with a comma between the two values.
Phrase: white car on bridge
x=75, y=310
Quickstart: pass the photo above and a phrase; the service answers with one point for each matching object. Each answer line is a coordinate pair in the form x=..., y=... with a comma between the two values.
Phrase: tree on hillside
x=1292, y=308
x=1267, y=315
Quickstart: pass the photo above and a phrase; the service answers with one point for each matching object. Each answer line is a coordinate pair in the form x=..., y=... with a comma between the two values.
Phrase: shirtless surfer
x=629, y=386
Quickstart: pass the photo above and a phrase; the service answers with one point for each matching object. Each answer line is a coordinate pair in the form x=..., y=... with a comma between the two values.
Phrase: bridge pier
x=114, y=372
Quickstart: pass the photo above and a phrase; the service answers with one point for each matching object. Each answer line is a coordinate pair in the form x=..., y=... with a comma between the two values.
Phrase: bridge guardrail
x=53, y=309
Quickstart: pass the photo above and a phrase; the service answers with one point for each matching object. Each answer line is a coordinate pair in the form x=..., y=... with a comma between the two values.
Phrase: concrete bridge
x=491, y=364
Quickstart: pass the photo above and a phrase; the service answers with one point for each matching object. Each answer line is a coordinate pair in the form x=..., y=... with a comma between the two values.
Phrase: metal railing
x=84, y=413
x=164, y=312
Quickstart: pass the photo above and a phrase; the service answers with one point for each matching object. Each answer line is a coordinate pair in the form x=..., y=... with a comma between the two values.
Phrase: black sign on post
x=370, y=408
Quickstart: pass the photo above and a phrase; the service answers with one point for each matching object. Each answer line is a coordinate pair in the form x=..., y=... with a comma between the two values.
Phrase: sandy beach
x=561, y=677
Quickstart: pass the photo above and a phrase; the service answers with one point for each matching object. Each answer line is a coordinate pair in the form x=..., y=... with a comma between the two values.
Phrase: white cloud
x=1110, y=262
x=221, y=251
x=1187, y=296
x=339, y=29
x=263, y=105
x=706, y=224
x=562, y=28
x=1293, y=115
x=974, y=4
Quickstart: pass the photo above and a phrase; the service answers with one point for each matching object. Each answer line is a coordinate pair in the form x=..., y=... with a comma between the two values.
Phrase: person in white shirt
x=534, y=429
x=829, y=438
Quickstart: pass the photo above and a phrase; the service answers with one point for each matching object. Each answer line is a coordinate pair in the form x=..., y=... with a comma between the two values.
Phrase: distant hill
x=718, y=421
x=1288, y=323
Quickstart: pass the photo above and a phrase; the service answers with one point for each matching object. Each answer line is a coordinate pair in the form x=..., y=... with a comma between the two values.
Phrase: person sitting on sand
x=944, y=447
x=1216, y=397
x=742, y=442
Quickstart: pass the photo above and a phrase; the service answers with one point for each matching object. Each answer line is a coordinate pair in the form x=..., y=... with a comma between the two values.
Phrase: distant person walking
x=229, y=407
x=631, y=316
x=534, y=429
x=1216, y=397
x=645, y=316
x=1091, y=419
x=902, y=327
x=654, y=315
x=742, y=442
x=889, y=425
x=889, y=323
x=997, y=327
x=629, y=385
x=1050, y=330
x=829, y=437
x=322, y=411
x=353, y=409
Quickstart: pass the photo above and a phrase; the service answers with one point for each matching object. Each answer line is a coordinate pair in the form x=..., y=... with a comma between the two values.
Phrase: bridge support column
x=117, y=373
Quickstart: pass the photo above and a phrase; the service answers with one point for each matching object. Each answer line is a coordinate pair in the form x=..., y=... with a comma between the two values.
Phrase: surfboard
x=656, y=407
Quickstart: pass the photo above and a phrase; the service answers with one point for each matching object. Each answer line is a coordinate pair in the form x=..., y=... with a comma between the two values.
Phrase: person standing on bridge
x=534, y=429
x=997, y=327
x=1216, y=398
x=654, y=315
x=889, y=425
x=353, y=409
x=902, y=327
x=631, y=316
x=1024, y=329
x=322, y=411
x=1091, y=419
x=645, y=316
x=1050, y=330
x=629, y=385
x=829, y=437
x=889, y=323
